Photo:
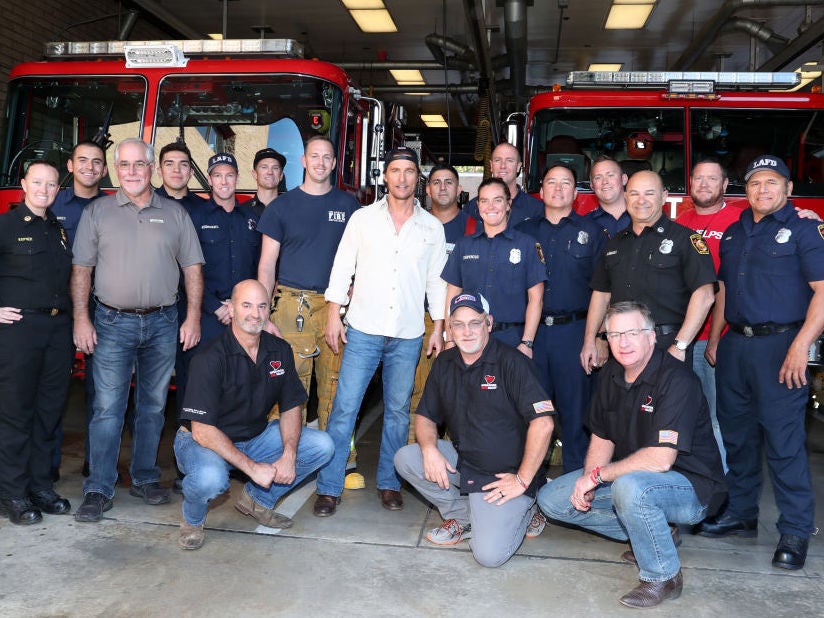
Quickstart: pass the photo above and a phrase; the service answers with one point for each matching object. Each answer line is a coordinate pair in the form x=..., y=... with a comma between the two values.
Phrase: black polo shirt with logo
x=487, y=407
x=660, y=267
x=664, y=407
x=227, y=390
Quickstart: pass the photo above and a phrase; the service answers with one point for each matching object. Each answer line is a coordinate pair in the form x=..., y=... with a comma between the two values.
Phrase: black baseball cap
x=221, y=158
x=269, y=153
x=767, y=162
x=402, y=153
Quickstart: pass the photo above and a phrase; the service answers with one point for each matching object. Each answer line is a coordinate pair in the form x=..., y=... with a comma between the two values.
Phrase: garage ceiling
x=561, y=36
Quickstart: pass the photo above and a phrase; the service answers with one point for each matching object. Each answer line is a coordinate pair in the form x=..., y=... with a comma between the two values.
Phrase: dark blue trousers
x=754, y=409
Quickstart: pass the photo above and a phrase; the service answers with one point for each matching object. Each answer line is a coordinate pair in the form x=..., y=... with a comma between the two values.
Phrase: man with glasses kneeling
x=652, y=458
x=499, y=419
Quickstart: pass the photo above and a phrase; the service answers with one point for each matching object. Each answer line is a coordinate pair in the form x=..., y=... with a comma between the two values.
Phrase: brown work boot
x=650, y=594
x=191, y=537
x=265, y=517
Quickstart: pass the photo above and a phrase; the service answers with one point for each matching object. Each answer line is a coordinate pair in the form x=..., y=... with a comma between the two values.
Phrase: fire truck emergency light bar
x=684, y=82
x=171, y=53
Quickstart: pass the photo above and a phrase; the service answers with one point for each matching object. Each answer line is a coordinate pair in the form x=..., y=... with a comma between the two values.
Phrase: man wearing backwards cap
x=267, y=170
x=772, y=298
x=484, y=480
x=396, y=251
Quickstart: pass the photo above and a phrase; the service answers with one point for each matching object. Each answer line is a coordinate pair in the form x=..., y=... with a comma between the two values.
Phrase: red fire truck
x=216, y=95
x=666, y=121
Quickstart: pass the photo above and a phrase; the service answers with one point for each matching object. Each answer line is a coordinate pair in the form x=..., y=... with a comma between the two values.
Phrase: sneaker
x=449, y=532
x=536, y=525
x=265, y=517
x=191, y=537
x=93, y=507
x=151, y=493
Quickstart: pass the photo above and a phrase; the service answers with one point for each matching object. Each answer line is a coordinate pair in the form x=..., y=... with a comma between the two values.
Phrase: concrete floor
x=364, y=561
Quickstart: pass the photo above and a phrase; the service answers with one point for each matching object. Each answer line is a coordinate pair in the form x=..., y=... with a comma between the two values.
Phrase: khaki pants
x=309, y=345
x=421, y=374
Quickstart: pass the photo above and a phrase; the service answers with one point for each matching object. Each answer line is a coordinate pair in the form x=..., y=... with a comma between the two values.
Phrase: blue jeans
x=360, y=361
x=125, y=342
x=637, y=507
x=207, y=473
x=706, y=374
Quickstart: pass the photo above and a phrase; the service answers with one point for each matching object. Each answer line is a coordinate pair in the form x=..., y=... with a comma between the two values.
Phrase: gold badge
x=699, y=244
x=27, y=218
x=821, y=231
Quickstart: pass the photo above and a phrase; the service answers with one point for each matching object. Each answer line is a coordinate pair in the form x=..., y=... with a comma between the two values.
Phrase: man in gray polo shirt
x=135, y=241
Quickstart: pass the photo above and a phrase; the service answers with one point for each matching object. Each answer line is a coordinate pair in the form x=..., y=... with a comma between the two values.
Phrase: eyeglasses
x=138, y=166
x=632, y=333
x=471, y=325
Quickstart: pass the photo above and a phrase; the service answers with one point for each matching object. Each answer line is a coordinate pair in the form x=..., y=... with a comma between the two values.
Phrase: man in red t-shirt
x=710, y=217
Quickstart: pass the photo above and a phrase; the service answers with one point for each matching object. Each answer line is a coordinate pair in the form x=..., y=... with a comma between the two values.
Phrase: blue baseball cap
x=476, y=302
x=767, y=162
x=221, y=158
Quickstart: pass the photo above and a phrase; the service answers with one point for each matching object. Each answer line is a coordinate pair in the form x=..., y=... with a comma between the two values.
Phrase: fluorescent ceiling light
x=628, y=16
x=417, y=94
x=434, y=121
x=596, y=66
x=217, y=36
x=407, y=77
x=363, y=4
x=374, y=20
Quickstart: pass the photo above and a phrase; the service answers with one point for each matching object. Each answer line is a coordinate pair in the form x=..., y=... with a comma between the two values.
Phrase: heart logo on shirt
x=489, y=379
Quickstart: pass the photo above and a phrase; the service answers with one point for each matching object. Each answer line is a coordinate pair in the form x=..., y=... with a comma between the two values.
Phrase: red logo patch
x=276, y=370
x=489, y=383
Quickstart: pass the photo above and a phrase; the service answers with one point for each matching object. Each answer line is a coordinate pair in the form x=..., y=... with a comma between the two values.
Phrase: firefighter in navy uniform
x=570, y=246
x=35, y=347
x=772, y=298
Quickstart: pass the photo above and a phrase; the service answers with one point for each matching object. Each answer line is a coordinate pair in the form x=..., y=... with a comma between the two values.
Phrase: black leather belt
x=145, y=311
x=565, y=318
x=666, y=329
x=505, y=325
x=52, y=311
x=762, y=330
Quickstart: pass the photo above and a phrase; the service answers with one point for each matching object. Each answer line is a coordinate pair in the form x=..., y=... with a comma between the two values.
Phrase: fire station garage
x=645, y=85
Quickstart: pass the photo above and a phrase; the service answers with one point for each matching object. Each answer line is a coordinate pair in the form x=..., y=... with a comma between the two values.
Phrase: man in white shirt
x=396, y=251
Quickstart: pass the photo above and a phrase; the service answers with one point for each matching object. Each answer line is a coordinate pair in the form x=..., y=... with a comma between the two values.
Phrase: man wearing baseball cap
x=772, y=298
x=267, y=170
x=485, y=479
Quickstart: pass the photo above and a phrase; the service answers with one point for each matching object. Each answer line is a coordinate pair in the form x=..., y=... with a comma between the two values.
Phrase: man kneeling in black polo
x=233, y=383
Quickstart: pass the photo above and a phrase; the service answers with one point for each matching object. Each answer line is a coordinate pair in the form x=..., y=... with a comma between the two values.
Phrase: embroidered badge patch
x=542, y=407
x=489, y=383
x=276, y=369
x=540, y=251
x=647, y=405
x=668, y=436
x=699, y=244
x=821, y=231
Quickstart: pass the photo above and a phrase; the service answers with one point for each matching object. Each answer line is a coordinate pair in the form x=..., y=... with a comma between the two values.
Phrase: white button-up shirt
x=393, y=271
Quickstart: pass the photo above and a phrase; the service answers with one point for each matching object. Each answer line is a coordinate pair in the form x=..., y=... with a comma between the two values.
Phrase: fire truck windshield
x=238, y=113
x=244, y=113
x=48, y=115
x=669, y=139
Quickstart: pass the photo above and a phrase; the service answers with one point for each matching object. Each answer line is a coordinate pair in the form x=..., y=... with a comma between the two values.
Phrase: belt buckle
x=748, y=332
x=549, y=320
x=54, y=311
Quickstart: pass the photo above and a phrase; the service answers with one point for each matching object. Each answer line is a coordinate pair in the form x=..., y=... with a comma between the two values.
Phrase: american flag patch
x=543, y=406
x=667, y=436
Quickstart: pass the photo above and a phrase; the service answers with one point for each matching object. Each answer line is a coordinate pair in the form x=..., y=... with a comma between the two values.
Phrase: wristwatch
x=681, y=345
x=528, y=343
